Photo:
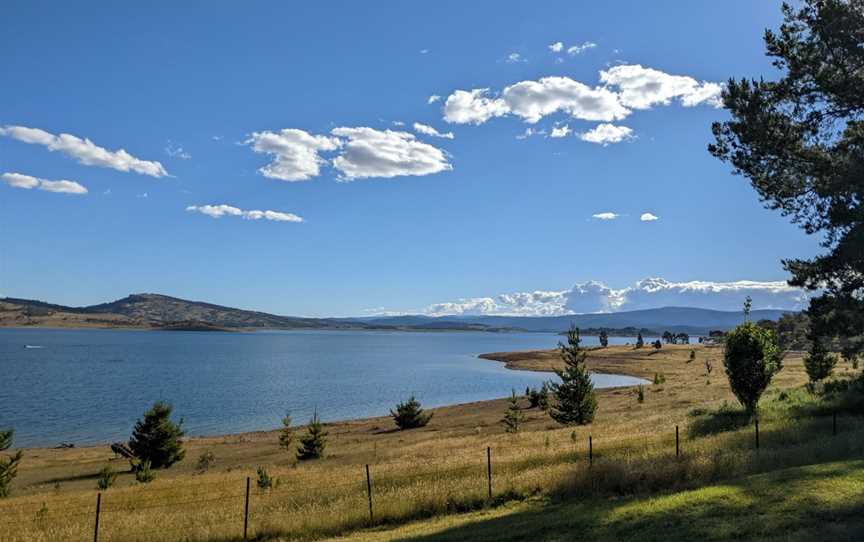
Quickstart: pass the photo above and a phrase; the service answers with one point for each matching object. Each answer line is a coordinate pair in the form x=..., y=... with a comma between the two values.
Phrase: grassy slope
x=805, y=503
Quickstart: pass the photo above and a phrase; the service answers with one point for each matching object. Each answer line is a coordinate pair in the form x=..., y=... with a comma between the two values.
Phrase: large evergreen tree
x=800, y=142
x=575, y=401
x=8, y=465
x=156, y=438
x=409, y=415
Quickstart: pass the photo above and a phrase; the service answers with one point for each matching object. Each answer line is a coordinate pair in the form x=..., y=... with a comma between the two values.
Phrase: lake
x=89, y=386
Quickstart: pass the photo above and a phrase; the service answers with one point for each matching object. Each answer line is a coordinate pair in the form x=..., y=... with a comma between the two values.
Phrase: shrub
x=659, y=378
x=751, y=358
x=156, y=439
x=692, y=355
x=575, y=400
x=265, y=481
x=143, y=472
x=205, y=461
x=8, y=465
x=106, y=478
x=604, y=338
x=657, y=345
x=409, y=415
x=313, y=443
x=819, y=363
x=640, y=393
x=640, y=342
x=514, y=416
x=286, y=435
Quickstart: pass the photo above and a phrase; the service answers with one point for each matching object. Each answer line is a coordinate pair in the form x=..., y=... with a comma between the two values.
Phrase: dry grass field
x=435, y=470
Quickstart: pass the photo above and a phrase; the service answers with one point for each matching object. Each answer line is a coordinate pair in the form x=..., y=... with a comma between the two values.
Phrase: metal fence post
x=98, y=511
x=590, y=450
x=369, y=493
x=246, y=513
x=757, y=433
x=489, y=469
x=677, y=443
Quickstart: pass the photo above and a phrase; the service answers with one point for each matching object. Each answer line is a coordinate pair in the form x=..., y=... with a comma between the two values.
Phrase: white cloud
x=473, y=107
x=643, y=88
x=434, y=98
x=295, y=153
x=595, y=296
x=84, y=150
x=177, y=151
x=581, y=48
x=560, y=131
x=398, y=123
x=556, y=47
x=18, y=180
x=605, y=216
x=428, y=130
x=218, y=211
x=514, y=58
x=648, y=217
x=624, y=88
x=424, y=51
x=604, y=134
x=529, y=132
x=375, y=153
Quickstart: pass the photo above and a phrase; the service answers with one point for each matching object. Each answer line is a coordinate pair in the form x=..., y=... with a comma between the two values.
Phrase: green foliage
x=799, y=139
x=144, y=472
x=751, y=359
x=106, y=478
x=640, y=393
x=409, y=415
x=640, y=342
x=604, y=338
x=514, y=417
x=819, y=362
x=205, y=461
x=657, y=345
x=692, y=356
x=265, y=481
x=659, y=378
x=575, y=400
x=313, y=443
x=156, y=439
x=8, y=465
x=286, y=434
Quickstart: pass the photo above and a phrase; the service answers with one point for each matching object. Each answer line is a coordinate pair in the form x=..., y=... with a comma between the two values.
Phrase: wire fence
x=241, y=510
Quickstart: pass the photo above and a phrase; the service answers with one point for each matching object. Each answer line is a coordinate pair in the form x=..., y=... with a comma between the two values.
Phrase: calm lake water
x=89, y=386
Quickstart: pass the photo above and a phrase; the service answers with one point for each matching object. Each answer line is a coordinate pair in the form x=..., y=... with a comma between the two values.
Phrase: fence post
x=489, y=469
x=369, y=493
x=834, y=423
x=677, y=443
x=246, y=513
x=98, y=510
x=590, y=451
x=757, y=433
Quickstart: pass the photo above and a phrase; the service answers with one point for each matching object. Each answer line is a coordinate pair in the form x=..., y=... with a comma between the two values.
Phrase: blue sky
x=190, y=91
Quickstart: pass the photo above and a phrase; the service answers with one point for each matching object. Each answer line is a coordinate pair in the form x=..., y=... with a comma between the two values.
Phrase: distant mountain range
x=154, y=311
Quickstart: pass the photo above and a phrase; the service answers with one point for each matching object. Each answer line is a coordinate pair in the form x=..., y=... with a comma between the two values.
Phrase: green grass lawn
x=818, y=502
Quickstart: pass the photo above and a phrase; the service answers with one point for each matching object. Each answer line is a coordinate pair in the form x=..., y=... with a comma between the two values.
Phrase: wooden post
x=677, y=443
x=834, y=423
x=590, y=450
x=246, y=513
x=757, y=433
x=489, y=469
x=369, y=493
x=98, y=510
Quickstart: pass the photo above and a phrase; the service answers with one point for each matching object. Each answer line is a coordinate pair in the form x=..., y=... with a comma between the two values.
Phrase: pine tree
x=514, y=416
x=157, y=439
x=286, y=435
x=312, y=444
x=8, y=465
x=604, y=338
x=575, y=399
x=819, y=362
x=409, y=415
x=640, y=342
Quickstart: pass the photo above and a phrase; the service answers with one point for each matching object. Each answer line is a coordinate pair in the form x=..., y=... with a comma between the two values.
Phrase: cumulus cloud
x=560, y=131
x=294, y=152
x=580, y=48
x=434, y=98
x=556, y=47
x=18, y=180
x=604, y=134
x=624, y=88
x=597, y=297
x=84, y=150
x=643, y=88
x=218, y=211
x=605, y=216
x=648, y=217
x=430, y=131
x=375, y=153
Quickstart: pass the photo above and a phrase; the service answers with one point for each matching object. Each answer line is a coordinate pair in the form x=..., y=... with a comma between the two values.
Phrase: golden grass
x=424, y=472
